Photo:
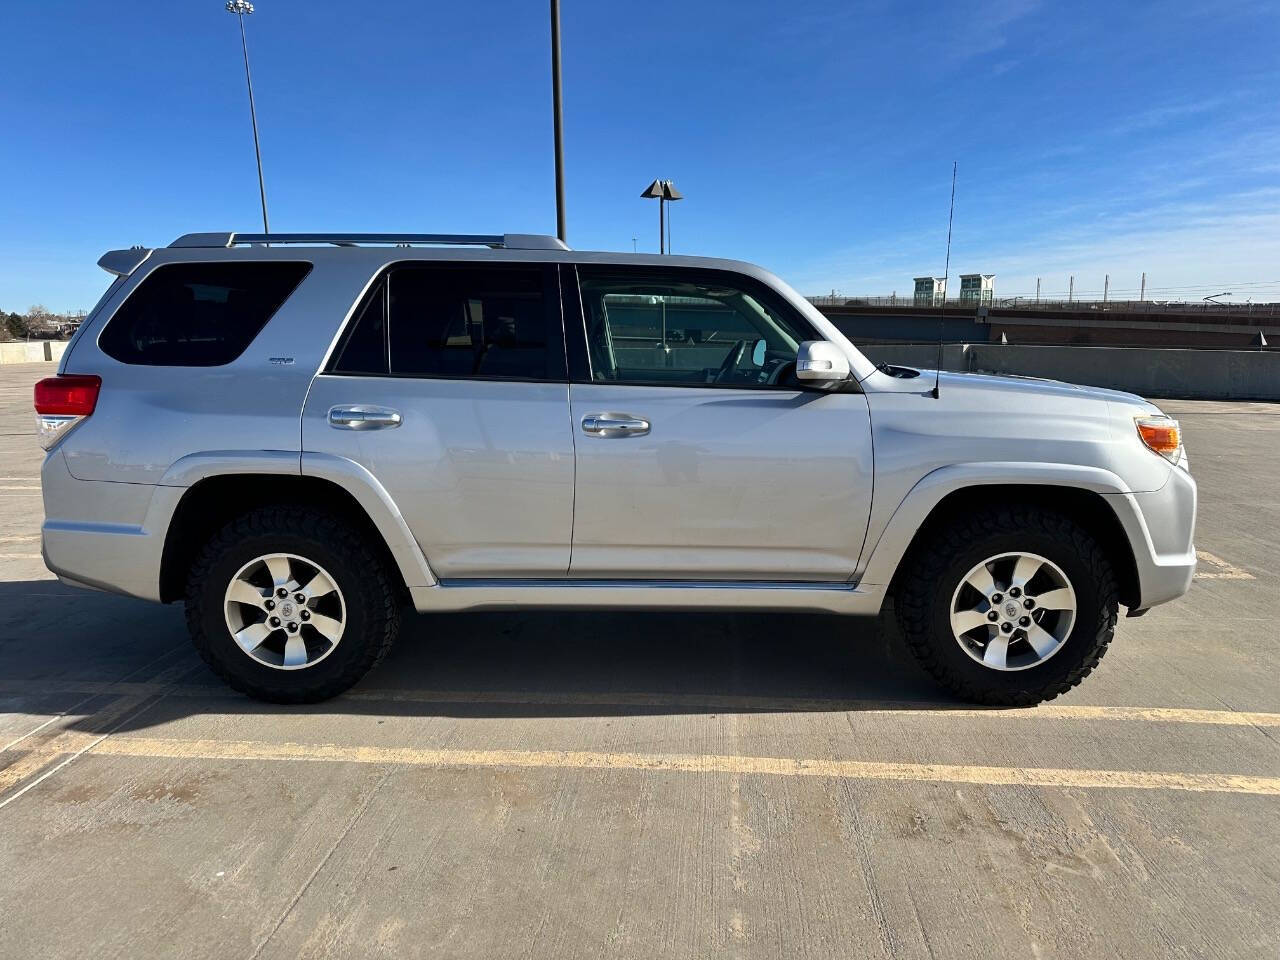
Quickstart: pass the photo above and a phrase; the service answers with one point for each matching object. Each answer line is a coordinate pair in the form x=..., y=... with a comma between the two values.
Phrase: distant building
x=930, y=291
x=977, y=287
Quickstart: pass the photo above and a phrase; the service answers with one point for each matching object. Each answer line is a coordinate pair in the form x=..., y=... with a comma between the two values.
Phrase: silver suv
x=298, y=435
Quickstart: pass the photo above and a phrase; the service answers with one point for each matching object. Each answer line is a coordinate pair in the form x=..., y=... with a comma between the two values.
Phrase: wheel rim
x=1013, y=611
x=285, y=611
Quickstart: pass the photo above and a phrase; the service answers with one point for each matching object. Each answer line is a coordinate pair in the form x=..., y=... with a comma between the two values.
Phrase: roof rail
x=508, y=241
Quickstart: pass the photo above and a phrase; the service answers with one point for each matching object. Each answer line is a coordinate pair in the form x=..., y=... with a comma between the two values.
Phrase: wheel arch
x=932, y=504
x=213, y=501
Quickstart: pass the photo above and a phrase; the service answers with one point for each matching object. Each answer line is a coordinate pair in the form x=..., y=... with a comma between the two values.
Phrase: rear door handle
x=363, y=417
x=614, y=425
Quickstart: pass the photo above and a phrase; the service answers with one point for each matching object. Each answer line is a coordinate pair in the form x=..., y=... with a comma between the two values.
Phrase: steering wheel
x=731, y=360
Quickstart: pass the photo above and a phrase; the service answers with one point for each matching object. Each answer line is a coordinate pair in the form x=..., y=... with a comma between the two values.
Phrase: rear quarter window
x=198, y=314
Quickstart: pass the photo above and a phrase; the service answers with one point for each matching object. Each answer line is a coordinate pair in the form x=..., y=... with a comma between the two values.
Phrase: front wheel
x=1009, y=607
x=290, y=605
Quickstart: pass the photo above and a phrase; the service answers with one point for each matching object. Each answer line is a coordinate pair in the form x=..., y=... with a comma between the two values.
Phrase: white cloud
x=1186, y=249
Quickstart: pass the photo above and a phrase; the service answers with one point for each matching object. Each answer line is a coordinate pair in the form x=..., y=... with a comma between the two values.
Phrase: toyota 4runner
x=298, y=435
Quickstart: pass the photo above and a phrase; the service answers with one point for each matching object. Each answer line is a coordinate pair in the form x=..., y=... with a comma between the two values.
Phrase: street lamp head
x=240, y=7
x=662, y=189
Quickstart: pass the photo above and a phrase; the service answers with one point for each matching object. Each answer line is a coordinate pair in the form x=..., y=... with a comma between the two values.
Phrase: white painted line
x=154, y=747
x=1222, y=569
x=21, y=538
x=74, y=743
x=25, y=487
x=19, y=556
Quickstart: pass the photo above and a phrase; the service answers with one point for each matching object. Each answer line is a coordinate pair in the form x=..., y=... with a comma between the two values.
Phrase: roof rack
x=506, y=241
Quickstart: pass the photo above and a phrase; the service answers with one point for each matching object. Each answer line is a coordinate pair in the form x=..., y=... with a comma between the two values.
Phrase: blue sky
x=813, y=138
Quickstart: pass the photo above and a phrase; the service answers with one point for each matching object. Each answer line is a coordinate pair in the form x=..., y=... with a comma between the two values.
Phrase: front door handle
x=614, y=425
x=363, y=417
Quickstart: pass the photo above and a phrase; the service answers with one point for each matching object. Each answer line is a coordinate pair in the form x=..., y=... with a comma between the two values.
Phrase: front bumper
x=1161, y=531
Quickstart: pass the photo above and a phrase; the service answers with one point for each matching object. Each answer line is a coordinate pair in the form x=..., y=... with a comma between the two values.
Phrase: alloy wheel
x=285, y=611
x=1013, y=611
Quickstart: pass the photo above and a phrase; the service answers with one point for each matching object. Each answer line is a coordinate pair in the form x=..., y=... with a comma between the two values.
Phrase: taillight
x=73, y=394
x=62, y=402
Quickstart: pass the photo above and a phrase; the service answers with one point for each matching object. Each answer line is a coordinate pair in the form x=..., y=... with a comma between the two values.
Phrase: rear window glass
x=483, y=322
x=198, y=314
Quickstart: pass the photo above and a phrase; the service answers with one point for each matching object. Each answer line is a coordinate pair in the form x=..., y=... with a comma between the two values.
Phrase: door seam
x=573, y=497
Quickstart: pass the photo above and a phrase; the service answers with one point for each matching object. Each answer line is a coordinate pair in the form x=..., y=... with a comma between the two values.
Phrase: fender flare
x=880, y=560
x=380, y=507
x=346, y=474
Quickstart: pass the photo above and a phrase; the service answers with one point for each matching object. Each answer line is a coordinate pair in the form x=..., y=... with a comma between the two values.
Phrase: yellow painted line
x=1222, y=570
x=691, y=701
x=71, y=742
x=151, y=747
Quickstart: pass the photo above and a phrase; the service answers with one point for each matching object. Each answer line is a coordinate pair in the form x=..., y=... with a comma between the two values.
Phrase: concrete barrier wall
x=1149, y=372
x=32, y=351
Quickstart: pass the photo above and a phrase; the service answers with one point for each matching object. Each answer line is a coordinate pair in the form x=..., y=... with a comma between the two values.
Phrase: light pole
x=1211, y=297
x=557, y=118
x=241, y=8
x=664, y=191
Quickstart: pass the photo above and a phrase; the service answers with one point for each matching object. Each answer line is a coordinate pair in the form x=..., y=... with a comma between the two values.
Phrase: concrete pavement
x=645, y=785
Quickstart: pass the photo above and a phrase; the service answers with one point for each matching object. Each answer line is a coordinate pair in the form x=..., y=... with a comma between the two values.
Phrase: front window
x=655, y=326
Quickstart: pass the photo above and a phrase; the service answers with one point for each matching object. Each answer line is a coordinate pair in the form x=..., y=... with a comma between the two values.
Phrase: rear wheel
x=1009, y=606
x=290, y=605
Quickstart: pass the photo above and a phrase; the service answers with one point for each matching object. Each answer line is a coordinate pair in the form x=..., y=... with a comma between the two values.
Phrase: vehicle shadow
x=57, y=643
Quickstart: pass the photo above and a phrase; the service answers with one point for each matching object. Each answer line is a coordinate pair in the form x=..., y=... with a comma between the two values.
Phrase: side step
x=813, y=597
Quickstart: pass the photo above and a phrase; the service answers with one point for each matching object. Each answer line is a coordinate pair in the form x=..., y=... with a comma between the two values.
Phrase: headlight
x=1161, y=434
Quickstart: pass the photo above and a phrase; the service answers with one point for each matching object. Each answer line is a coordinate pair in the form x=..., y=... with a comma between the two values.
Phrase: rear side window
x=198, y=314
x=490, y=322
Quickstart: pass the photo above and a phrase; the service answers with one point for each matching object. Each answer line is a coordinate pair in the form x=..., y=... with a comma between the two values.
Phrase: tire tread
x=914, y=604
x=371, y=577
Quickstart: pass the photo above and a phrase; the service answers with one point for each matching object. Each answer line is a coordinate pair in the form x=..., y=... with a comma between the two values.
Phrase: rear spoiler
x=121, y=263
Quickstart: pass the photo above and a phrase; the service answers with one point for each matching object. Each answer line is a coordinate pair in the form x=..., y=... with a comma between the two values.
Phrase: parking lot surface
x=646, y=785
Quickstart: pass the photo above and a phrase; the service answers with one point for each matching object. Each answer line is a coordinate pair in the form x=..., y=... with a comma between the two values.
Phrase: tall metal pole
x=239, y=10
x=668, y=232
x=557, y=107
x=1143, y=294
x=662, y=225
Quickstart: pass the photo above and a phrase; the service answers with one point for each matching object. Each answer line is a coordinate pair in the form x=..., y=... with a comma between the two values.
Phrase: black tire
x=935, y=569
x=371, y=609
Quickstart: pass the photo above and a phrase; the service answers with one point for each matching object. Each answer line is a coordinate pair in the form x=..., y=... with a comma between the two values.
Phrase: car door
x=449, y=386
x=699, y=455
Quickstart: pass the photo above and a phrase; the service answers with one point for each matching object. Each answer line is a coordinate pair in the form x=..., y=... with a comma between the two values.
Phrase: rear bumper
x=95, y=532
x=1161, y=530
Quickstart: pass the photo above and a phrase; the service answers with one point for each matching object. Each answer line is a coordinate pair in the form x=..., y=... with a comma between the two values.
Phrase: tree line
x=38, y=323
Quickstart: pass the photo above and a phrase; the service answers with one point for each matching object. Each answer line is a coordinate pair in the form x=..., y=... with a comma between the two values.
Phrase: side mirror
x=820, y=360
x=759, y=353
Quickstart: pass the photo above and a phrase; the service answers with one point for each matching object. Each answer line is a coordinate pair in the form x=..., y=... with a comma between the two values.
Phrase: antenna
x=946, y=280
